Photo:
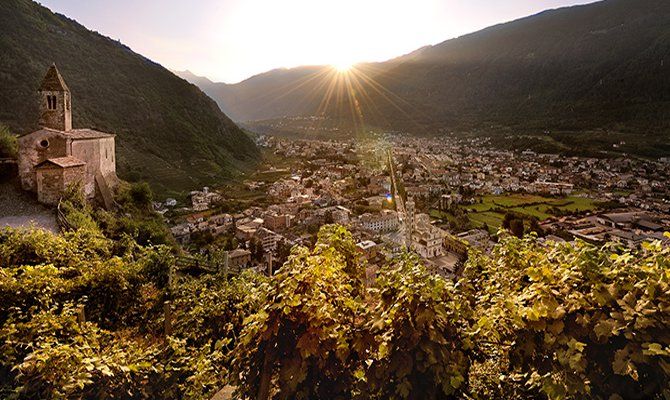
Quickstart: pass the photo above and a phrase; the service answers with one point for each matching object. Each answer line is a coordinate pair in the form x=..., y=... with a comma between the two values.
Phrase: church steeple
x=55, y=102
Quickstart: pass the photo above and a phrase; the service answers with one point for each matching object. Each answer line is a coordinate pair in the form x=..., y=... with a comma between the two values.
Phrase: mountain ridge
x=599, y=67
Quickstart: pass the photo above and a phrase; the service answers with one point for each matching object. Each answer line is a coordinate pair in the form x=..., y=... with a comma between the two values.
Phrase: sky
x=231, y=40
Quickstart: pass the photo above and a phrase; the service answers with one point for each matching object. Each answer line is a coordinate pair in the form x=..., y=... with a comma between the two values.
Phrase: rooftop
x=238, y=253
x=62, y=162
x=81, y=134
x=75, y=134
x=53, y=81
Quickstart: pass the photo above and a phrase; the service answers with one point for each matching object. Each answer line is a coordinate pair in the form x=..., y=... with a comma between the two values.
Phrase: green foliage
x=135, y=217
x=78, y=210
x=49, y=282
x=581, y=321
x=320, y=335
x=140, y=194
x=82, y=316
x=9, y=145
x=420, y=325
x=304, y=339
x=211, y=310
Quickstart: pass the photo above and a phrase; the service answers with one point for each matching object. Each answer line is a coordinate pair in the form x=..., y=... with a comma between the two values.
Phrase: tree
x=516, y=227
x=535, y=227
x=256, y=249
x=283, y=252
x=141, y=195
x=507, y=220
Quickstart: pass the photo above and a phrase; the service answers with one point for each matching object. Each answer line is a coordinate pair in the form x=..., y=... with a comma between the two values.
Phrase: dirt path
x=18, y=209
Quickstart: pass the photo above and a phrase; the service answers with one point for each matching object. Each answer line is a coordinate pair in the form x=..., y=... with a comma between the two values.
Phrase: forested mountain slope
x=602, y=66
x=168, y=131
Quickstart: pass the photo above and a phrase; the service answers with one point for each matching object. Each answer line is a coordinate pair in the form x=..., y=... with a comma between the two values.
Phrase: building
x=238, y=258
x=456, y=246
x=340, y=215
x=367, y=248
x=268, y=238
x=276, y=222
x=554, y=188
x=57, y=156
x=203, y=200
x=478, y=238
x=427, y=240
x=385, y=221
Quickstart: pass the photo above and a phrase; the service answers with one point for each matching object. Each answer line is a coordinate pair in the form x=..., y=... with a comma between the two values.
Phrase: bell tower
x=55, y=102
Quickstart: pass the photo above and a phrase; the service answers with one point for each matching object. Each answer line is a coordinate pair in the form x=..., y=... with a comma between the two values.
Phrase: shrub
x=9, y=145
x=579, y=321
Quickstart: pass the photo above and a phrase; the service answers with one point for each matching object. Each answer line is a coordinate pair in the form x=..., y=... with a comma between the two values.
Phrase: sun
x=342, y=66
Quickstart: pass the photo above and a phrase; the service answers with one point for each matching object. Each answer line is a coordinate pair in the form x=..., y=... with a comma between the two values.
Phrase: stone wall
x=59, y=118
x=53, y=180
x=100, y=157
x=49, y=185
x=89, y=152
x=36, y=148
x=108, y=158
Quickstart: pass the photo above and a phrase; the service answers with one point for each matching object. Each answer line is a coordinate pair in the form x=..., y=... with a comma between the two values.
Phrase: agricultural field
x=490, y=210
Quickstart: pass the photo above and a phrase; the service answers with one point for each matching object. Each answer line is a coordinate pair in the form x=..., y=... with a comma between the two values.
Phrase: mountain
x=168, y=131
x=584, y=76
x=273, y=94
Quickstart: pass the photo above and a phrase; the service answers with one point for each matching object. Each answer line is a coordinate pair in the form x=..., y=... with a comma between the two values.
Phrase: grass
x=492, y=219
x=525, y=204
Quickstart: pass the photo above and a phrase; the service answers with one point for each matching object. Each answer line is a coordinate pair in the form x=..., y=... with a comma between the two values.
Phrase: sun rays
x=350, y=97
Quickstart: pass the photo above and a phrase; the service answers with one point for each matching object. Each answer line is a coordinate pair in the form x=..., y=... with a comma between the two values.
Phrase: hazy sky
x=230, y=40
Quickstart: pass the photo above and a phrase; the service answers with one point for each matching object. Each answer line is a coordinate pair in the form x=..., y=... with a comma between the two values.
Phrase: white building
x=385, y=221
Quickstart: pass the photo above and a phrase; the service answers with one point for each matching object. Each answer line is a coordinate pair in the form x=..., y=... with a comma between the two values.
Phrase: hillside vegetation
x=84, y=317
x=168, y=132
x=583, y=77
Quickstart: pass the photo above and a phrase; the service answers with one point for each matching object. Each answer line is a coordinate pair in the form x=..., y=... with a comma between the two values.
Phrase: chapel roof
x=62, y=162
x=53, y=81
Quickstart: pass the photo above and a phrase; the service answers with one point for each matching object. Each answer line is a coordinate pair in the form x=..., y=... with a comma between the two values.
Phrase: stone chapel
x=56, y=156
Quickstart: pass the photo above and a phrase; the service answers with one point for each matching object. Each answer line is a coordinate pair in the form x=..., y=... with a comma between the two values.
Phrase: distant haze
x=230, y=40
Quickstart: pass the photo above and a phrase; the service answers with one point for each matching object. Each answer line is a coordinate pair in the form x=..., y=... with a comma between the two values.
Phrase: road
x=399, y=202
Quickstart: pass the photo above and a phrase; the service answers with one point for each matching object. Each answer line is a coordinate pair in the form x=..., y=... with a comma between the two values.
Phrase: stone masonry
x=57, y=156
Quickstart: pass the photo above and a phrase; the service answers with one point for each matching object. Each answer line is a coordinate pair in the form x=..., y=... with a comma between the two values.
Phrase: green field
x=491, y=210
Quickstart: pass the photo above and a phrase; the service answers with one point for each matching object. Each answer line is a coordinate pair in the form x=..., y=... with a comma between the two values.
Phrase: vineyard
x=83, y=316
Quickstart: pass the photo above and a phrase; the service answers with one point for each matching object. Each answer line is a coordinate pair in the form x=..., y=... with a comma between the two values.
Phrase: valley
x=483, y=217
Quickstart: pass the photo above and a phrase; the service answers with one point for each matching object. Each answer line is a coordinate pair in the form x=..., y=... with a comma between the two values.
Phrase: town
x=438, y=197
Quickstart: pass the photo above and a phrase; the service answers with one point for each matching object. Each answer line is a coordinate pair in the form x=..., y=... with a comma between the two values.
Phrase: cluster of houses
x=473, y=166
x=630, y=228
x=348, y=183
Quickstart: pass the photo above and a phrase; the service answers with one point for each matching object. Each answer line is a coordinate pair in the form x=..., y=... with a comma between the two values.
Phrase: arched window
x=51, y=102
